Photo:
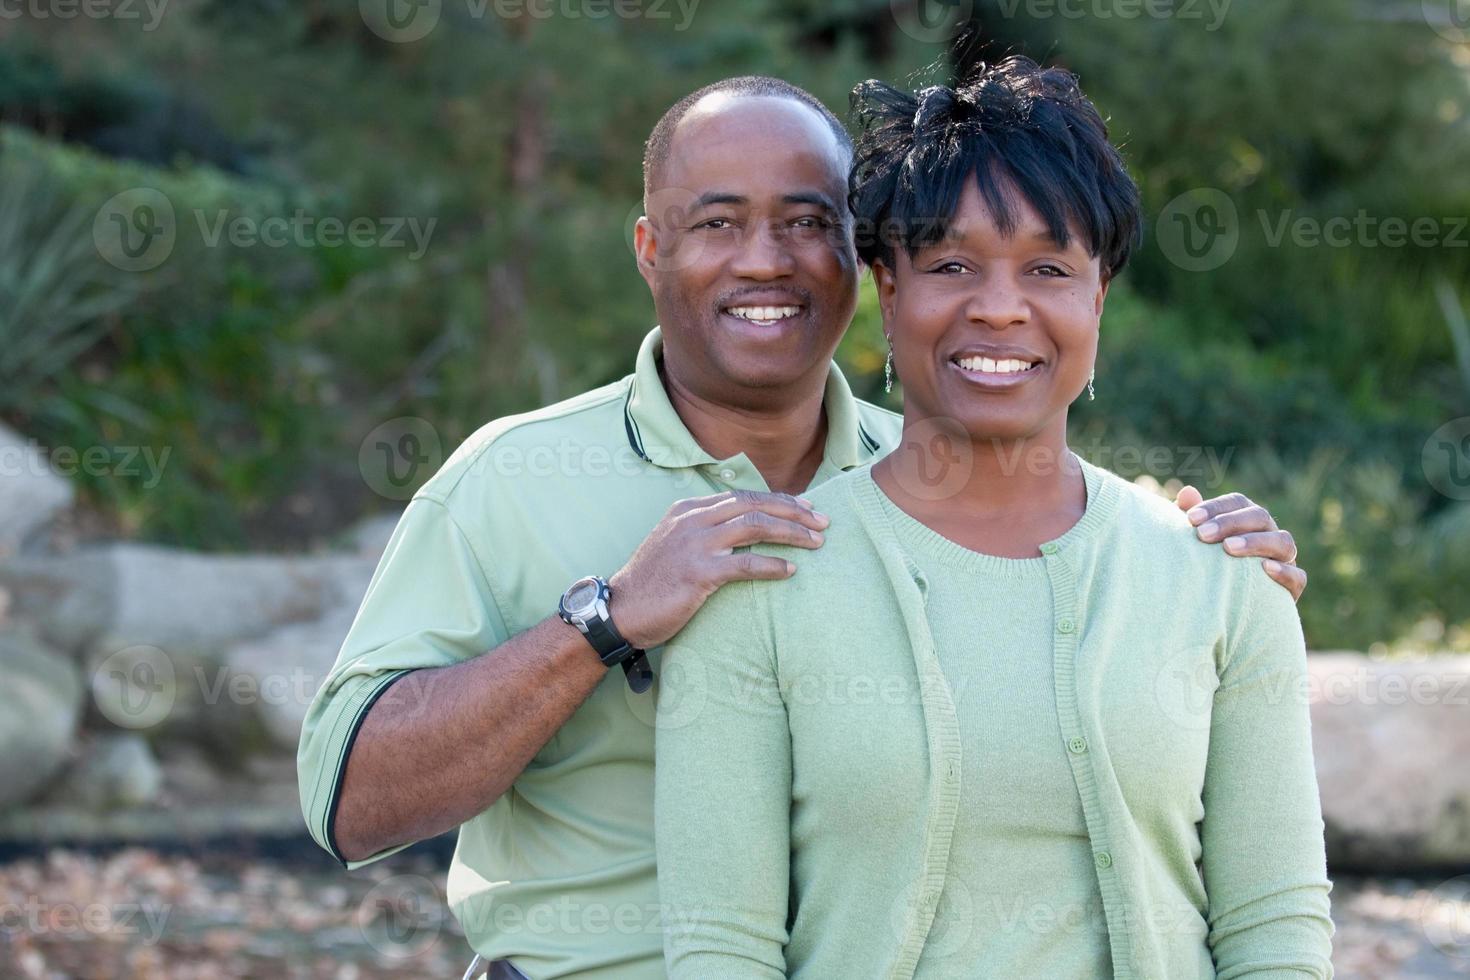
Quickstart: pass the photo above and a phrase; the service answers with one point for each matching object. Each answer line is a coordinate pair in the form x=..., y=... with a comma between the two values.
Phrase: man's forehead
x=747, y=132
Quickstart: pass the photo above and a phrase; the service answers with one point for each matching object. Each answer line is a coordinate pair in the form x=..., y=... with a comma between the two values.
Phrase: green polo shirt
x=559, y=873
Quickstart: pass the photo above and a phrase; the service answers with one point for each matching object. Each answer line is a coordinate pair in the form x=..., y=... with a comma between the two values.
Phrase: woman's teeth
x=1008, y=365
x=764, y=315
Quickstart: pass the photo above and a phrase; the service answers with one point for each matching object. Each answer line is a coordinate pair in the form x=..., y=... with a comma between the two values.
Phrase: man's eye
x=716, y=224
x=811, y=222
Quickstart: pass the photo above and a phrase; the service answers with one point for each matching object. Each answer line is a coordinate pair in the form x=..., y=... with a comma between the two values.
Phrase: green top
x=812, y=759
x=559, y=873
x=1013, y=904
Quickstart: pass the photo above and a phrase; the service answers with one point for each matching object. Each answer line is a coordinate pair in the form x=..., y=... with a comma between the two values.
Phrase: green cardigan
x=808, y=756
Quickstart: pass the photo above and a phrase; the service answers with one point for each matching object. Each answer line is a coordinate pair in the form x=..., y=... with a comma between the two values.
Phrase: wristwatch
x=584, y=605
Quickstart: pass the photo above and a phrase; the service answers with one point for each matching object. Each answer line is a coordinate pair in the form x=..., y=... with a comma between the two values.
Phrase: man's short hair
x=656, y=150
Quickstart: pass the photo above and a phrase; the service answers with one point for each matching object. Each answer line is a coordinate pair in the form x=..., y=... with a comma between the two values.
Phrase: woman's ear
x=887, y=293
x=1102, y=296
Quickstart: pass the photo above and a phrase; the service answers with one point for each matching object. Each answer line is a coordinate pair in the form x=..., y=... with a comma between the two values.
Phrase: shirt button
x=1066, y=626
x=1104, y=860
x=727, y=474
x=1049, y=548
x=1078, y=745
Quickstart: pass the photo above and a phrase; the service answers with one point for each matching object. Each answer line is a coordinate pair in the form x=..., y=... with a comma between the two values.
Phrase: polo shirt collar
x=656, y=432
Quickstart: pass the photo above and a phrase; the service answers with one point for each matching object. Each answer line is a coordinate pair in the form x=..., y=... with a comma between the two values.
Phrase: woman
x=987, y=731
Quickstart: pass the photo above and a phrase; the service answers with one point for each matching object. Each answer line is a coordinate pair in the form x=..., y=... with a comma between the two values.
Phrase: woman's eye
x=950, y=268
x=1052, y=271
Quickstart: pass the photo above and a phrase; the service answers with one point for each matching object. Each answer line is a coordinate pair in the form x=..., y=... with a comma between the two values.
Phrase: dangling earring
x=1091, y=395
x=888, y=369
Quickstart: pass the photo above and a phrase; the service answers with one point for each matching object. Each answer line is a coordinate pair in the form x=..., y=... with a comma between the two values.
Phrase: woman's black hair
x=1012, y=123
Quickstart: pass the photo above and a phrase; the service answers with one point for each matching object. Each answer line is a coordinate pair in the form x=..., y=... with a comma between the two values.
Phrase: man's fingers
x=1294, y=579
x=759, y=527
x=1247, y=520
x=1188, y=498
x=1277, y=545
x=778, y=505
x=1216, y=506
x=749, y=565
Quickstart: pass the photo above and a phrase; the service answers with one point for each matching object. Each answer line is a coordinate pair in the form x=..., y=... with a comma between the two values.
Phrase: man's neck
x=786, y=445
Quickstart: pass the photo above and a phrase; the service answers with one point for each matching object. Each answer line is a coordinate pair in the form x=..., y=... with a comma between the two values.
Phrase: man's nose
x=763, y=253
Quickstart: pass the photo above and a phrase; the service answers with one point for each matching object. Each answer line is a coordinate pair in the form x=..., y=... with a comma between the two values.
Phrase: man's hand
x=1248, y=531
x=690, y=554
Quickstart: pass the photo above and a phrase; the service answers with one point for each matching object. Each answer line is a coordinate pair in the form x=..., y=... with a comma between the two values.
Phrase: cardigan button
x=1077, y=745
x=1104, y=860
x=1066, y=626
x=1049, y=548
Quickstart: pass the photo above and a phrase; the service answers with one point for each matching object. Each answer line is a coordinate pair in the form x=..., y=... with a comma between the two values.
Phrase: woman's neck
x=997, y=496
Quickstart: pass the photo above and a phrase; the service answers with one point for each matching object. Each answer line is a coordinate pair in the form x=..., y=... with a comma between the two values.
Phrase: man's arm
x=1246, y=529
x=443, y=743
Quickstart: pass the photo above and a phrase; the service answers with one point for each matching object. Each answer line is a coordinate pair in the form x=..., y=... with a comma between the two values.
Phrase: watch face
x=582, y=597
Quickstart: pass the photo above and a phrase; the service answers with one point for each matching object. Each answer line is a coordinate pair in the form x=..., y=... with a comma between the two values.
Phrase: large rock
x=1392, y=741
x=115, y=770
x=285, y=669
x=31, y=493
x=121, y=595
x=40, y=703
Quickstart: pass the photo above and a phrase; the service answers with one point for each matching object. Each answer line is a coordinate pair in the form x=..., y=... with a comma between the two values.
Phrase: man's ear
x=645, y=248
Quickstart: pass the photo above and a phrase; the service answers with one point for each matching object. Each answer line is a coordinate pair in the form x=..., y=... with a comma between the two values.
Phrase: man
x=463, y=697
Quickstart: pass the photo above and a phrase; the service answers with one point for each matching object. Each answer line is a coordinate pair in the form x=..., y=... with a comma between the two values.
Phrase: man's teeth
x=763, y=314
x=1008, y=365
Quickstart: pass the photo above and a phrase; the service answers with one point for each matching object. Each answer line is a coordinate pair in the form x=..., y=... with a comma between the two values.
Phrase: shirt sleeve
x=1264, y=859
x=429, y=604
x=722, y=813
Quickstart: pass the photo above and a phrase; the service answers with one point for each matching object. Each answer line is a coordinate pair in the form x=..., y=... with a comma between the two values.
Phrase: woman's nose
x=998, y=304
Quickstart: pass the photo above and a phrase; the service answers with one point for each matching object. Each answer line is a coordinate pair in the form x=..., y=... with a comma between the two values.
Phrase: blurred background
x=264, y=264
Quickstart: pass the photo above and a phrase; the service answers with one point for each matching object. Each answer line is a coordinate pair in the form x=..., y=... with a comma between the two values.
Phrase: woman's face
x=998, y=333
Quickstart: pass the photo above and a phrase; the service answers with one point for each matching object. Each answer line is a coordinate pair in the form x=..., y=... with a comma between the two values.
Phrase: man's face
x=747, y=247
